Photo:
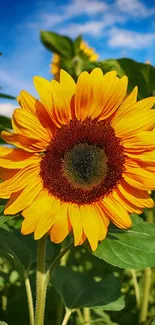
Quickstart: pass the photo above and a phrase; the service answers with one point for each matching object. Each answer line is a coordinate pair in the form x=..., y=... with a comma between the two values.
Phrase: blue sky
x=114, y=28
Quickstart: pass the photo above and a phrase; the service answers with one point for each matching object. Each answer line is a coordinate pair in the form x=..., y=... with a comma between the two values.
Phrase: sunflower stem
x=87, y=315
x=29, y=299
x=147, y=281
x=67, y=316
x=41, y=282
x=136, y=287
x=60, y=256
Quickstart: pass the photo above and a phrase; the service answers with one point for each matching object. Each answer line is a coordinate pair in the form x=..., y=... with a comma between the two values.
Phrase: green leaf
x=77, y=44
x=116, y=305
x=78, y=290
x=5, y=123
x=3, y=323
x=153, y=323
x=56, y=43
x=7, y=96
x=130, y=249
x=14, y=250
x=139, y=74
x=4, y=219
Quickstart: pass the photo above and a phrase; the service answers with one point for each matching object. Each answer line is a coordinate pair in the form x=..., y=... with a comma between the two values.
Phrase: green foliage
x=5, y=123
x=139, y=74
x=6, y=96
x=133, y=248
x=56, y=43
x=15, y=251
x=83, y=291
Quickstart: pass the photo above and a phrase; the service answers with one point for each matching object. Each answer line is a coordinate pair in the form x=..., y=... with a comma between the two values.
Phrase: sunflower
x=84, y=156
x=84, y=47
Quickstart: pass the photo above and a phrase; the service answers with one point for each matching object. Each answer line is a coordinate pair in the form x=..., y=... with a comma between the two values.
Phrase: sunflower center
x=85, y=165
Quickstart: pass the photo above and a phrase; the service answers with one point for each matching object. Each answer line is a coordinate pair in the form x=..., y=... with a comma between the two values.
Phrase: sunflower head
x=83, y=156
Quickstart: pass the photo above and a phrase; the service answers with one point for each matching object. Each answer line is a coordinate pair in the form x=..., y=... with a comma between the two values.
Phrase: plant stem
x=67, y=316
x=41, y=283
x=58, y=258
x=147, y=281
x=145, y=300
x=29, y=299
x=87, y=315
x=136, y=287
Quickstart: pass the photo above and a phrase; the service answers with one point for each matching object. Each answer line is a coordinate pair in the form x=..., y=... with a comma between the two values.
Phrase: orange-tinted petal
x=36, y=212
x=20, y=180
x=111, y=95
x=131, y=208
x=141, y=141
x=61, y=113
x=23, y=142
x=75, y=220
x=28, y=124
x=89, y=217
x=16, y=158
x=31, y=104
x=67, y=85
x=21, y=200
x=48, y=218
x=143, y=120
x=127, y=105
x=116, y=212
x=61, y=226
x=6, y=174
x=137, y=197
x=140, y=178
x=83, y=96
x=43, y=88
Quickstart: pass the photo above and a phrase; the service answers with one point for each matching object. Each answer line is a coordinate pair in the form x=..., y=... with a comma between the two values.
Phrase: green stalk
x=147, y=281
x=29, y=299
x=41, y=283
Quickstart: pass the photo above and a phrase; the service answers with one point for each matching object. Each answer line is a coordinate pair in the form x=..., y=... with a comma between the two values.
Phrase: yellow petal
x=38, y=210
x=116, y=212
x=61, y=227
x=23, y=142
x=67, y=84
x=140, y=178
x=52, y=207
x=127, y=105
x=20, y=180
x=83, y=97
x=139, y=142
x=144, y=119
x=21, y=200
x=75, y=220
x=137, y=197
x=31, y=104
x=89, y=217
x=131, y=208
x=16, y=158
x=61, y=105
x=43, y=87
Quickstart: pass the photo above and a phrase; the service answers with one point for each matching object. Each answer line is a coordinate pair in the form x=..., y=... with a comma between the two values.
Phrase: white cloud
x=90, y=28
x=6, y=109
x=129, y=39
x=73, y=9
x=134, y=8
